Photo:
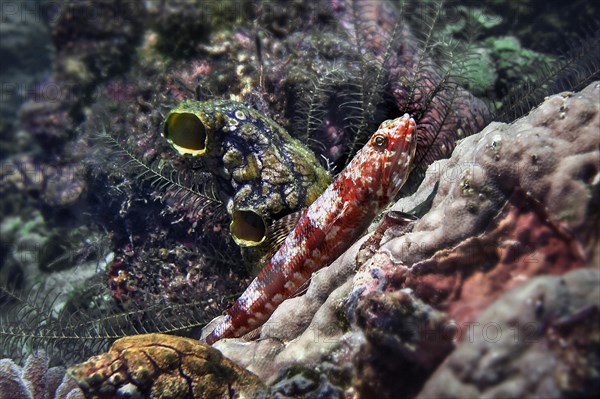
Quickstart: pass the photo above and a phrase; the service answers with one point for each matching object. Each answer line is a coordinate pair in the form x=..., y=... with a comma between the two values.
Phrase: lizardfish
x=328, y=226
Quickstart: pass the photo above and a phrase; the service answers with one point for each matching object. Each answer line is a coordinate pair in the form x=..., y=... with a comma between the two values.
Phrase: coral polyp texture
x=554, y=333
x=148, y=172
x=164, y=366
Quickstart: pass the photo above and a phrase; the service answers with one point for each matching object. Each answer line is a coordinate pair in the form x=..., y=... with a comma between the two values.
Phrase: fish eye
x=380, y=141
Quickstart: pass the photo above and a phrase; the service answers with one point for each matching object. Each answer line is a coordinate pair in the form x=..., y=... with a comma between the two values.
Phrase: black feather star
x=30, y=322
x=174, y=185
x=390, y=69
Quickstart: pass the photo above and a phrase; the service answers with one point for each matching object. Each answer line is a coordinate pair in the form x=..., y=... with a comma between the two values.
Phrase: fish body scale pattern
x=328, y=227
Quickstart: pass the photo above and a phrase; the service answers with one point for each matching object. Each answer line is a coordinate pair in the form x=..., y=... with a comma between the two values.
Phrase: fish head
x=388, y=157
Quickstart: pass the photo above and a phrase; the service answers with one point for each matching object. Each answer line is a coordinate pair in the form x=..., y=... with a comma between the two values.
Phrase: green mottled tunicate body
x=270, y=174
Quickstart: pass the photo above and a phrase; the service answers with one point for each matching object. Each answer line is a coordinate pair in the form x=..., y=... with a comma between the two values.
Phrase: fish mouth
x=399, y=163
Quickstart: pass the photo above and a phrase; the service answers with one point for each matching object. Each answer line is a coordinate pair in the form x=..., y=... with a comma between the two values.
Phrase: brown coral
x=164, y=366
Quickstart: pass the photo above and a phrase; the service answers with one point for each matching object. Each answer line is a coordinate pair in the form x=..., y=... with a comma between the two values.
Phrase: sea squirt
x=264, y=172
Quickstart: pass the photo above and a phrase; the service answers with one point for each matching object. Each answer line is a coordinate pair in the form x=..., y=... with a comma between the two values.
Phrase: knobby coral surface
x=163, y=366
x=548, y=348
x=36, y=380
x=513, y=202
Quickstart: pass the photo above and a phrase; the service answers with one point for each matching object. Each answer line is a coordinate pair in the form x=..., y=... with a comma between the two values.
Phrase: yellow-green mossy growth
x=187, y=130
x=270, y=173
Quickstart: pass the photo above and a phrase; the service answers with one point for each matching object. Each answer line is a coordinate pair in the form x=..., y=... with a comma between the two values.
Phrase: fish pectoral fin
x=280, y=229
x=338, y=215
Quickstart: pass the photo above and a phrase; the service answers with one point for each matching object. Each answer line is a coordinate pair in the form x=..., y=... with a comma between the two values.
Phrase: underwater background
x=115, y=226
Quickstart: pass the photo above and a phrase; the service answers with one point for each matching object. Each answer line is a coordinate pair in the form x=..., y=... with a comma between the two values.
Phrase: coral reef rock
x=25, y=51
x=514, y=201
x=548, y=349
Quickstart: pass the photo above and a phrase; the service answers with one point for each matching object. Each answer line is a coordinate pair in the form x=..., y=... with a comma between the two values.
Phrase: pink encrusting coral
x=521, y=242
x=549, y=324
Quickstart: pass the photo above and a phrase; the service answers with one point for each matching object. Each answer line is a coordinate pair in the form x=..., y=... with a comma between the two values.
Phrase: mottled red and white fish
x=329, y=226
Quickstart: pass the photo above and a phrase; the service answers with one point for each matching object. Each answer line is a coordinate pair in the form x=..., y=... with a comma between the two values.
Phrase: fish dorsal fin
x=280, y=229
